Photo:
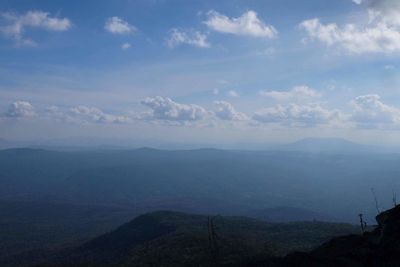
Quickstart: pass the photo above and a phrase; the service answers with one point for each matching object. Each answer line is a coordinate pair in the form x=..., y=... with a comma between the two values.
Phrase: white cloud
x=163, y=108
x=297, y=115
x=233, y=93
x=125, y=46
x=379, y=38
x=117, y=25
x=380, y=35
x=14, y=25
x=195, y=38
x=20, y=109
x=358, y=2
x=384, y=11
x=226, y=111
x=297, y=93
x=82, y=115
x=370, y=112
x=247, y=24
x=92, y=114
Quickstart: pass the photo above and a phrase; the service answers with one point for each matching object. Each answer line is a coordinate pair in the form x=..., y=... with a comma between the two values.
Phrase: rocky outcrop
x=378, y=248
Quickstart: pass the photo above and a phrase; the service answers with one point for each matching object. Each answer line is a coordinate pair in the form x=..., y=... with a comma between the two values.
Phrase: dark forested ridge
x=376, y=248
x=179, y=239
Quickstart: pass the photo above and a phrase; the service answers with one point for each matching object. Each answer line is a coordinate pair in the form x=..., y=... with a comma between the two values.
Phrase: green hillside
x=168, y=238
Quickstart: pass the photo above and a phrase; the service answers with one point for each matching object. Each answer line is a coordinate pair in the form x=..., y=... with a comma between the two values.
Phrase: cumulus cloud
x=358, y=2
x=380, y=35
x=379, y=38
x=295, y=94
x=82, y=115
x=164, y=108
x=14, y=25
x=117, y=25
x=20, y=109
x=195, y=38
x=92, y=114
x=226, y=111
x=370, y=111
x=247, y=24
x=384, y=11
x=297, y=115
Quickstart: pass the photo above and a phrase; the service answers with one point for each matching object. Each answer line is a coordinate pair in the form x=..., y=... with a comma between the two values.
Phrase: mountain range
x=311, y=144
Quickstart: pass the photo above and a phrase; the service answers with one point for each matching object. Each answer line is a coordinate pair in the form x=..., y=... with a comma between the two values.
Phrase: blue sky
x=200, y=71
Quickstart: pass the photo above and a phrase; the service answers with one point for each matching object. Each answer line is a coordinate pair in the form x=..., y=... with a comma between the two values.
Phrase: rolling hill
x=179, y=239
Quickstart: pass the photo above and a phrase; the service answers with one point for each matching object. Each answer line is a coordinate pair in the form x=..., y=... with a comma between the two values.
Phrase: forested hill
x=167, y=238
x=176, y=239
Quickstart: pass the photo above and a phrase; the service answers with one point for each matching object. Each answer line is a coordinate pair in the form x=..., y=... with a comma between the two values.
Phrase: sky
x=200, y=71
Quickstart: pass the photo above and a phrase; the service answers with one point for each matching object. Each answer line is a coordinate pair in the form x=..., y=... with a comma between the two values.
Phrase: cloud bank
x=296, y=115
x=364, y=112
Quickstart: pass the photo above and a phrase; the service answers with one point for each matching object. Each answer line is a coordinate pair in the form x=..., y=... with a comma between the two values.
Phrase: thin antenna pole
x=376, y=200
x=363, y=224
